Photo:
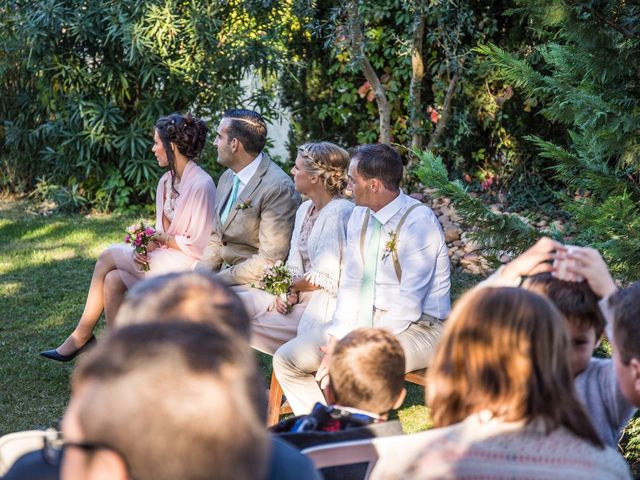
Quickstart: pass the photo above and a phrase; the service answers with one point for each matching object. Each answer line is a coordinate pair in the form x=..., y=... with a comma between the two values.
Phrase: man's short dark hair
x=381, y=161
x=248, y=127
x=187, y=296
x=175, y=400
x=626, y=322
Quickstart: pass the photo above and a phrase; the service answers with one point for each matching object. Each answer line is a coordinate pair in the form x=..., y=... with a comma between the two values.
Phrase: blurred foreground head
x=186, y=296
x=173, y=400
x=506, y=351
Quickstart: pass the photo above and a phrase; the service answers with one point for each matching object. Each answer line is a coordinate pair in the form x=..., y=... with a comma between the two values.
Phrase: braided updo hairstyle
x=186, y=132
x=329, y=162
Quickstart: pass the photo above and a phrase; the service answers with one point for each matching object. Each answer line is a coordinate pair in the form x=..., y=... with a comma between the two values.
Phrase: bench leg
x=275, y=401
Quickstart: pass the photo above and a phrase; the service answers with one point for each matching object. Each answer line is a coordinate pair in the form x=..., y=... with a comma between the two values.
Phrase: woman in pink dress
x=185, y=200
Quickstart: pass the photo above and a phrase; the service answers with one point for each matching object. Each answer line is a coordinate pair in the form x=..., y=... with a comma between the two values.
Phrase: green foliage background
x=81, y=85
x=583, y=75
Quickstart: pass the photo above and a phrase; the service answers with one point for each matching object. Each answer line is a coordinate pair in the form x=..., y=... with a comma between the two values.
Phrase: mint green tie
x=368, y=286
x=232, y=199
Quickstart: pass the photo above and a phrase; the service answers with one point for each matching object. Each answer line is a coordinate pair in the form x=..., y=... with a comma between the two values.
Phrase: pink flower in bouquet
x=139, y=236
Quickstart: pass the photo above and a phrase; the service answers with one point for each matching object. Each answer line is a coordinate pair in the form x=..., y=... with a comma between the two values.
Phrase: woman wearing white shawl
x=315, y=257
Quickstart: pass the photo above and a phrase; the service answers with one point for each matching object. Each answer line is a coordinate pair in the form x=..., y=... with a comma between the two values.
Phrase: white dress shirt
x=247, y=172
x=424, y=261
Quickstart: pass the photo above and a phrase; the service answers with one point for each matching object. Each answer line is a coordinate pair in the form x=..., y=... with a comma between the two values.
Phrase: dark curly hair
x=186, y=132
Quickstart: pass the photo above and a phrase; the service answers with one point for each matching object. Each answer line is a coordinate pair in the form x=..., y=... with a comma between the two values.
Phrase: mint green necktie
x=232, y=199
x=368, y=286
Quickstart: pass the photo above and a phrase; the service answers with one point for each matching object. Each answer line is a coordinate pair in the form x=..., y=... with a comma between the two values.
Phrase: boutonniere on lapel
x=244, y=205
x=391, y=247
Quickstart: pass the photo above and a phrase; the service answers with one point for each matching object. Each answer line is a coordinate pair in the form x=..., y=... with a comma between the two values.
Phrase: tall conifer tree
x=585, y=75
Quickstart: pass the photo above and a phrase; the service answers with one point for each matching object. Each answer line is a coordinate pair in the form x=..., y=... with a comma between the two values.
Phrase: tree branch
x=415, y=88
x=357, y=44
x=446, y=110
x=600, y=16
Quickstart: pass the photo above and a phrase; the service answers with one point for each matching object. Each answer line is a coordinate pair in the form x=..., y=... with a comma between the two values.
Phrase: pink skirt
x=270, y=329
x=162, y=260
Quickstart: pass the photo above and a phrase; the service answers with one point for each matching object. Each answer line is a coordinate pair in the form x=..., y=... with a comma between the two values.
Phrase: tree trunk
x=361, y=59
x=415, y=88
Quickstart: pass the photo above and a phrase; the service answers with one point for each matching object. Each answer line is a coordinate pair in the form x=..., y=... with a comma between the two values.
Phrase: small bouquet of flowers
x=139, y=236
x=391, y=247
x=276, y=280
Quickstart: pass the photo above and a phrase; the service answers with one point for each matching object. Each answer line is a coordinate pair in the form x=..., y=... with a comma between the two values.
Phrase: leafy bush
x=330, y=99
x=81, y=85
x=596, y=104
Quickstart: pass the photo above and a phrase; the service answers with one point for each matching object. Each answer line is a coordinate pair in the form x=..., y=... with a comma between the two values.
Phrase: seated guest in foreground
x=169, y=301
x=626, y=341
x=622, y=311
x=366, y=382
x=185, y=296
x=502, y=399
x=316, y=254
x=193, y=297
x=256, y=203
x=396, y=276
x=185, y=201
x=595, y=379
x=153, y=402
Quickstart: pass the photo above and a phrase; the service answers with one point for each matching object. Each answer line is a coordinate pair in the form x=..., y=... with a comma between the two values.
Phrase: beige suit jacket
x=254, y=236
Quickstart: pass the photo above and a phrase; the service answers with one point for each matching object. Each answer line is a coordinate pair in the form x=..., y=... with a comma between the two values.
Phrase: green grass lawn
x=45, y=268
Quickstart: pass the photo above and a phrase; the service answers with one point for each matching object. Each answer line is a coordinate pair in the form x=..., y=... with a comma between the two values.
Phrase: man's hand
x=322, y=375
x=533, y=260
x=588, y=263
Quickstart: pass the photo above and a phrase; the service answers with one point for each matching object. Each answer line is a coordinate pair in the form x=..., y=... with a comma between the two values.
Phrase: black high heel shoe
x=54, y=355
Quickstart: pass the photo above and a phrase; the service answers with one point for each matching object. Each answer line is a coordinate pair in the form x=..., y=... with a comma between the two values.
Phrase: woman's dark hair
x=187, y=132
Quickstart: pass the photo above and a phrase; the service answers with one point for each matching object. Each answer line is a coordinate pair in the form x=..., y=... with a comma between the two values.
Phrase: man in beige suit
x=256, y=203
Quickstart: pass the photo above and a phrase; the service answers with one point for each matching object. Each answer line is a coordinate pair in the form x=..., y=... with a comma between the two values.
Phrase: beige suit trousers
x=295, y=362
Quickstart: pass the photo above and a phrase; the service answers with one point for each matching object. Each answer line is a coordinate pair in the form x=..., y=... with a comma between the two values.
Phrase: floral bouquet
x=139, y=236
x=276, y=280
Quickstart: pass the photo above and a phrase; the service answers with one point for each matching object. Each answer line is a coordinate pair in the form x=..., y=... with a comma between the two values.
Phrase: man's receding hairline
x=253, y=123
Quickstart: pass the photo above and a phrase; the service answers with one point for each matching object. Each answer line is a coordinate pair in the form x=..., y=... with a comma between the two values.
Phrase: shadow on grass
x=42, y=298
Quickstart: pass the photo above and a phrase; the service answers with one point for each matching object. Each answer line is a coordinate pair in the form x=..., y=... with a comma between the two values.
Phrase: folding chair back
x=15, y=445
x=344, y=454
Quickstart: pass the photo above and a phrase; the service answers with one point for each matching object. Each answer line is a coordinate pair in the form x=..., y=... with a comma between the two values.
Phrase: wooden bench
x=275, y=407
